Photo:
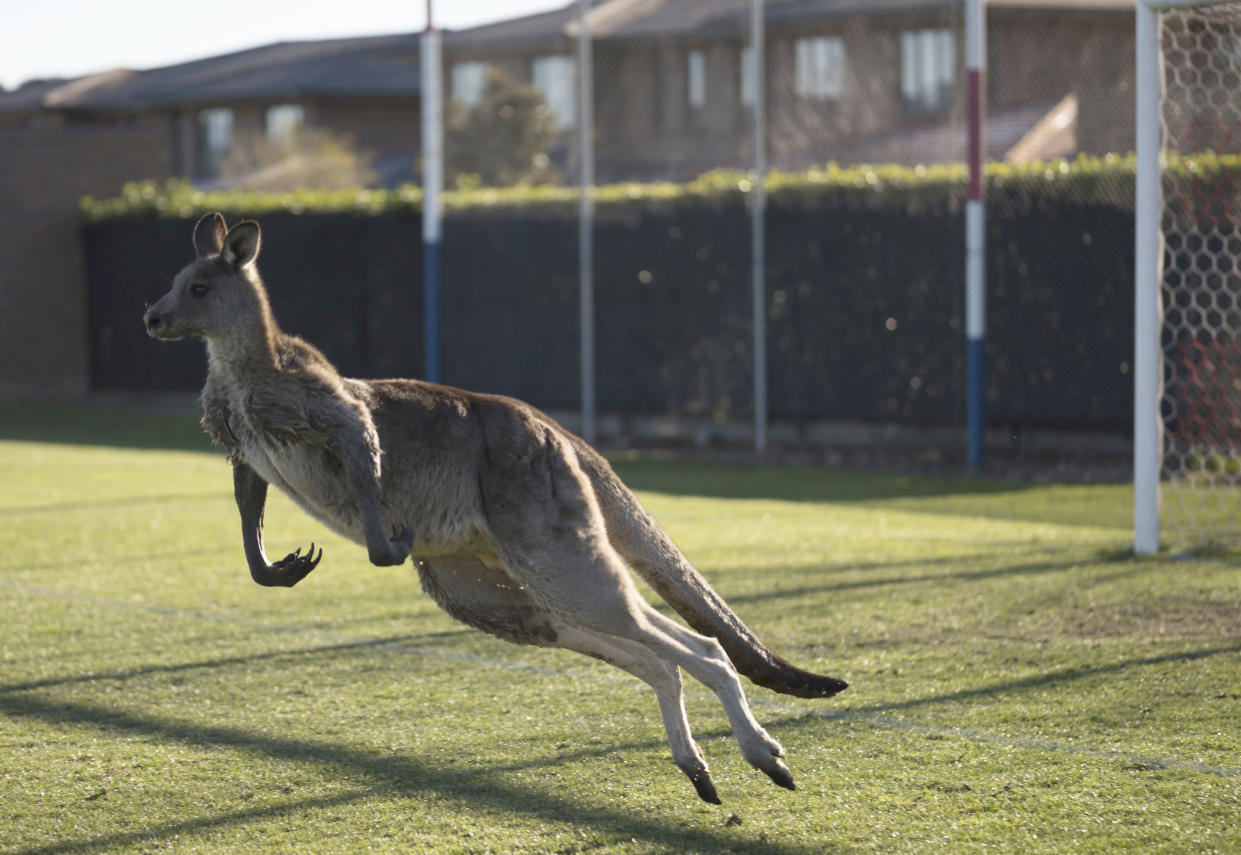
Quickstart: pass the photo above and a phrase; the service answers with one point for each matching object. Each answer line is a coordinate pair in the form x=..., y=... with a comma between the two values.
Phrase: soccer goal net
x=1188, y=246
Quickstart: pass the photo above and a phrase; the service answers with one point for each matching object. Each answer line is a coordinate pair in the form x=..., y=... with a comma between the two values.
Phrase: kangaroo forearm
x=360, y=455
x=250, y=492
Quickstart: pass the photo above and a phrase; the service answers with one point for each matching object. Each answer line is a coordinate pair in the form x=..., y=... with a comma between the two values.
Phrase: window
x=820, y=67
x=748, y=77
x=469, y=81
x=217, y=135
x=283, y=122
x=553, y=76
x=928, y=68
x=696, y=80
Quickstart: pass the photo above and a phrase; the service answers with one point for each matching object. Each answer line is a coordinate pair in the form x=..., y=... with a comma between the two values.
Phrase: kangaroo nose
x=152, y=321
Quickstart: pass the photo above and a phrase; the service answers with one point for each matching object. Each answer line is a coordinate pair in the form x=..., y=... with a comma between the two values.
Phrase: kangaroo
x=517, y=527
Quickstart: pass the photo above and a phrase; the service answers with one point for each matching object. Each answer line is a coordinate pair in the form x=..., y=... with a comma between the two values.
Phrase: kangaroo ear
x=241, y=244
x=209, y=235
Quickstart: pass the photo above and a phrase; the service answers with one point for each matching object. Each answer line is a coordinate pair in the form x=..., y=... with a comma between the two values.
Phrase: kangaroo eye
x=199, y=289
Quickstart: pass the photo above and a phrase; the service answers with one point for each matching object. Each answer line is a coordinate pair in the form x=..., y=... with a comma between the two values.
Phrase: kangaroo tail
x=642, y=542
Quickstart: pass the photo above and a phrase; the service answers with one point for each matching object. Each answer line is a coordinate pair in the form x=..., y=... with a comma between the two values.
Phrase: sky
x=70, y=38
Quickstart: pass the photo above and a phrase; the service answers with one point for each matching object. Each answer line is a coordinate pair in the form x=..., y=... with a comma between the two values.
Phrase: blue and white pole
x=432, y=189
x=758, y=224
x=975, y=227
x=586, y=217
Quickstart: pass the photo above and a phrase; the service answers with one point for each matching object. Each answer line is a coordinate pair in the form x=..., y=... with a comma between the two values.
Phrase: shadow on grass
x=102, y=425
x=229, y=661
x=891, y=579
x=745, y=481
x=477, y=788
x=174, y=830
x=1051, y=678
x=966, y=496
x=158, y=499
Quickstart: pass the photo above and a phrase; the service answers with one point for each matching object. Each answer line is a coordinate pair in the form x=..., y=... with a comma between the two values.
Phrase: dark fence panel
x=865, y=306
x=130, y=264
x=351, y=285
x=1060, y=315
x=509, y=305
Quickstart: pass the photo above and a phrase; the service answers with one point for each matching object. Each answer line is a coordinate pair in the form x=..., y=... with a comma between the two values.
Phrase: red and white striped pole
x=975, y=225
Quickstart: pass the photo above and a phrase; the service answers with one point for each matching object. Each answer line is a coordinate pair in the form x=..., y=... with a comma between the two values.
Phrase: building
x=845, y=80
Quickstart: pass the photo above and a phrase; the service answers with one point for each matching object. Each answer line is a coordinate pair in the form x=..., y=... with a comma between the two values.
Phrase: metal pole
x=586, y=219
x=432, y=187
x=1148, y=259
x=975, y=228
x=758, y=225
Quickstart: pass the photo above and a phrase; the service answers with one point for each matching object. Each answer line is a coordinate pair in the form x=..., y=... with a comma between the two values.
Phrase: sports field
x=1020, y=682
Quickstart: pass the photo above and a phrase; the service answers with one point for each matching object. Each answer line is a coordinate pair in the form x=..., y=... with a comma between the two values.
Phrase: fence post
x=758, y=227
x=586, y=220
x=432, y=186
x=975, y=227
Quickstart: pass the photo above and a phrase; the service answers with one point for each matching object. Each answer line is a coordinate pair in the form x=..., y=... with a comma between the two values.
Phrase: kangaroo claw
x=706, y=788
x=780, y=774
x=293, y=568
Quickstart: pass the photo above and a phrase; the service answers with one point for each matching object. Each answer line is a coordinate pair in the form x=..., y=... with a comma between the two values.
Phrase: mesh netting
x=1201, y=284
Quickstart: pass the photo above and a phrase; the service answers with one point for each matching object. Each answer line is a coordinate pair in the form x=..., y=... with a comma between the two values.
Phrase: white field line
x=692, y=690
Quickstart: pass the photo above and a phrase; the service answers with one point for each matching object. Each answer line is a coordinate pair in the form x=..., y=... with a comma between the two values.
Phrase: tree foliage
x=501, y=140
x=310, y=159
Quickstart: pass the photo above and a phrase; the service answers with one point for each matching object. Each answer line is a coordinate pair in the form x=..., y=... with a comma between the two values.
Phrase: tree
x=311, y=158
x=501, y=140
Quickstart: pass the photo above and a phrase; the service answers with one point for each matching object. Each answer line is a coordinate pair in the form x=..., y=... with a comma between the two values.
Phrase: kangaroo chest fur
x=309, y=474
x=266, y=428
x=269, y=431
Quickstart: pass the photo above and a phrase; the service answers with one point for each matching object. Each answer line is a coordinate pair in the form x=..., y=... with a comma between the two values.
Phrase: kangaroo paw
x=396, y=550
x=404, y=540
x=291, y=569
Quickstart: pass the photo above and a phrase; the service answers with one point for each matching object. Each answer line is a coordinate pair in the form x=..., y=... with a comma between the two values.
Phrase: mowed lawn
x=1020, y=682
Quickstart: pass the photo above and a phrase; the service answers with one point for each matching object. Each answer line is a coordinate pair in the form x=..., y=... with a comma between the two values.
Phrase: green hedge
x=1085, y=179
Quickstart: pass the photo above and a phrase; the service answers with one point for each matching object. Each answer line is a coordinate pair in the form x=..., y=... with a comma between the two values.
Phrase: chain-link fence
x=1200, y=116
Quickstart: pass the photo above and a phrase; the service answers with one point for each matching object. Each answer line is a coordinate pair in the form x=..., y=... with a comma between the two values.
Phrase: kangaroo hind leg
x=586, y=584
x=665, y=680
x=489, y=599
x=558, y=549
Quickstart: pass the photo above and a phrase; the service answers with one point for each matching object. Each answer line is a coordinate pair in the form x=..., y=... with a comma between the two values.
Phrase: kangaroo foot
x=767, y=760
x=780, y=773
x=700, y=777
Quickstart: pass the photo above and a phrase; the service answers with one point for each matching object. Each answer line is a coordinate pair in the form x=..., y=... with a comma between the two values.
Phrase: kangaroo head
x=219, y=293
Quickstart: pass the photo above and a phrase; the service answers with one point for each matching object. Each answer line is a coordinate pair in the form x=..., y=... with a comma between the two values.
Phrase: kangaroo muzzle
x=158, y=323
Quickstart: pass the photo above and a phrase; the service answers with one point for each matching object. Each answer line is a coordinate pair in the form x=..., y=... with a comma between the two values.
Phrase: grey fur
x=522, y=530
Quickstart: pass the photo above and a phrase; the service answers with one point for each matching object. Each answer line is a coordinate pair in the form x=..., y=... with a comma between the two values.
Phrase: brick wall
x=46, y=165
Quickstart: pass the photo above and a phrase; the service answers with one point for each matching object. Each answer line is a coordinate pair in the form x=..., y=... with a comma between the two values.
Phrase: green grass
x=1020, y=683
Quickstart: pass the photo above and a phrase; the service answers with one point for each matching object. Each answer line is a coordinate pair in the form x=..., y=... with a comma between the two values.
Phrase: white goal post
x=1187, y=275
